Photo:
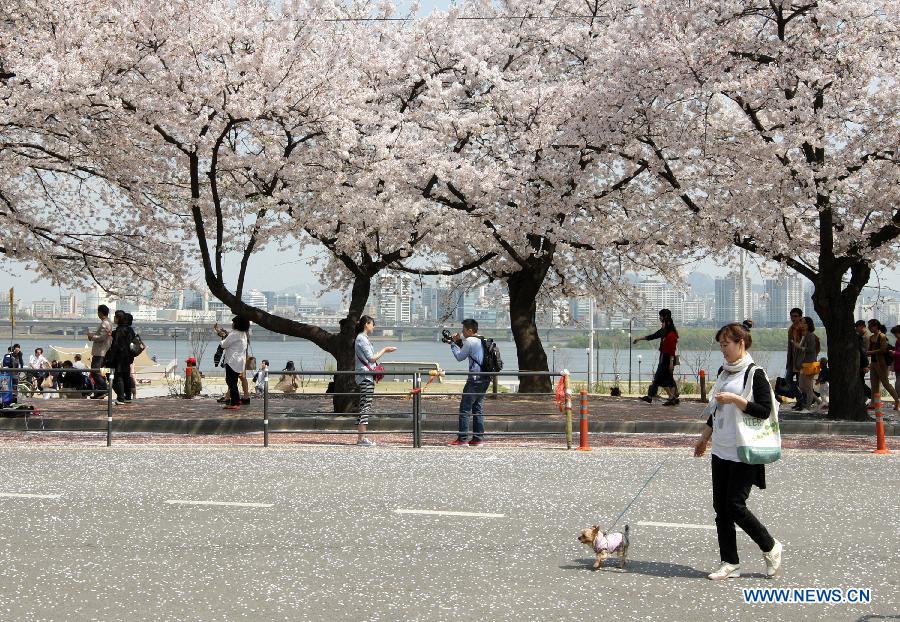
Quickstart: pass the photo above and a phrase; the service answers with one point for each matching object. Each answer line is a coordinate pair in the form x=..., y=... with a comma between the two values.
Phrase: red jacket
x=669, y=343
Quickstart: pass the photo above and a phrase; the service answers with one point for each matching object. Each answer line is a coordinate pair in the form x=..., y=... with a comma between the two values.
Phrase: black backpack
x=491, y=360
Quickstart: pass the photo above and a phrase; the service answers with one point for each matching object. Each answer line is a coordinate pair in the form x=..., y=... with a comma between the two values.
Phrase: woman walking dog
x=734, y=395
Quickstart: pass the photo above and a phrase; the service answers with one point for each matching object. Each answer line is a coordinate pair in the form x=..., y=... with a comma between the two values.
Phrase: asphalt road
x=116, y=535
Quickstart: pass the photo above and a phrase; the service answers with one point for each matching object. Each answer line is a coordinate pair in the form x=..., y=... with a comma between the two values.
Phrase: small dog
x=606, y=544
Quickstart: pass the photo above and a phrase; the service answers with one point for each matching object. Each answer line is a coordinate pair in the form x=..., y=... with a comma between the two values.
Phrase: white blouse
x=234, y=348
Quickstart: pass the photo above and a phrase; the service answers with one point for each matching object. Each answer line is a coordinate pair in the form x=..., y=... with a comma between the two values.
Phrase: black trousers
x=231, y=379
x=99, y=381
x=731, y=487
x=121, y=378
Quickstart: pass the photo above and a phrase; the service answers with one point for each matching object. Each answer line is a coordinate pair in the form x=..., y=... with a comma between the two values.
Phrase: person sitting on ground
x=261, y=377
x=665, y=370
x=288, y=383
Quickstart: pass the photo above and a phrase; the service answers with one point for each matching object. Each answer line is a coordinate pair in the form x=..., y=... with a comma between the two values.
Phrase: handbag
x=250, y=361
x=373, y=368
x=810, y=369
x=759, y=440
x=677, y=360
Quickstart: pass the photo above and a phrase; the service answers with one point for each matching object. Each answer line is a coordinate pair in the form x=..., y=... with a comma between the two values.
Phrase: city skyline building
x=782, y=295
x=733, y=299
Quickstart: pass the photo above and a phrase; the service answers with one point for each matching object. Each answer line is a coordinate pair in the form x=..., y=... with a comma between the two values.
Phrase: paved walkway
x=319, y=533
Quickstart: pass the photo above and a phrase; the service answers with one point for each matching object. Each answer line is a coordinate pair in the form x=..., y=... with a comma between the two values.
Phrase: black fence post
x=417, y=410
x=266, y=412
x=109, y=409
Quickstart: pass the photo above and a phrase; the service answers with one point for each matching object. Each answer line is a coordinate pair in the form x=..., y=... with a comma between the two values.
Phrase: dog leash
x=649, y=479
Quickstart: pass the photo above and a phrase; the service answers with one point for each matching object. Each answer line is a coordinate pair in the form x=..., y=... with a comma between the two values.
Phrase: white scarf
x=738, y=367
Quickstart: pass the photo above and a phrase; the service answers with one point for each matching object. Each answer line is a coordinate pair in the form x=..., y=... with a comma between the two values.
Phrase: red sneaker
x=457, y=441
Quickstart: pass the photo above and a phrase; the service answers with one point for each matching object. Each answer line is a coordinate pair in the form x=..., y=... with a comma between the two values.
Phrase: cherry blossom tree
x=60, y=214
x=772, y=127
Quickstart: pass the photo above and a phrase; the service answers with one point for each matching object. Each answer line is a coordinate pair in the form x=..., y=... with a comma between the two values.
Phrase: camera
x=446, y=337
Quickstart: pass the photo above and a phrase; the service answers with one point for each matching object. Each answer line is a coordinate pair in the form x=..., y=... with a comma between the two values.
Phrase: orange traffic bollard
x=703, y=385
x=880, y=443
x=583, y=423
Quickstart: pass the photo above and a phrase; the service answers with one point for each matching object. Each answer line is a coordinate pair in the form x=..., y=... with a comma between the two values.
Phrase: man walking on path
x=100, y=342
x=792, y=366
x=469, y=346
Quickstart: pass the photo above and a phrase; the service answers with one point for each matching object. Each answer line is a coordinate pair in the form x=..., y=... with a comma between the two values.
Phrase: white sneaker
x=773, y=560
x=725, y=571
x=366, y=443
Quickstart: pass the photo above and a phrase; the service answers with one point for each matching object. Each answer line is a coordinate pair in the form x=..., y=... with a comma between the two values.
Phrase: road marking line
x=23, y=495
x=238, y=504
x=677, y=525
x=446, y=513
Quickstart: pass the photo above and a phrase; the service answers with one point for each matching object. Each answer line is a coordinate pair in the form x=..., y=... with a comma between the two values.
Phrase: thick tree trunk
x=836, y=306
x=523, y=290
x=342, y=347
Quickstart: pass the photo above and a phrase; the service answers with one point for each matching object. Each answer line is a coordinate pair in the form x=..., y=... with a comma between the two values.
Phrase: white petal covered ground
x=332, y=545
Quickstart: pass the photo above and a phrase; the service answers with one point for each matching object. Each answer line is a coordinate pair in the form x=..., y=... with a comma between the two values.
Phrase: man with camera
x=469, y=346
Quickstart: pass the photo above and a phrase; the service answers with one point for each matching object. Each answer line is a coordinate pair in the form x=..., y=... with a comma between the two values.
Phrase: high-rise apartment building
x=733, y=302
x=43, y=308
x=656, y=295
x=394, y=299
x=782, y=295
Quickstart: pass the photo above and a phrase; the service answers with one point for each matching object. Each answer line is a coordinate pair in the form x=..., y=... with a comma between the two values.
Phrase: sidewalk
x=509, y=413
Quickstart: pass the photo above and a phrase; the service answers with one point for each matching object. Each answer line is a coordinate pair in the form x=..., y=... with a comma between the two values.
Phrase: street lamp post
x=587, y=353
x=639, y=373
x=175, y=339
x=630, y=344
x=553, y=364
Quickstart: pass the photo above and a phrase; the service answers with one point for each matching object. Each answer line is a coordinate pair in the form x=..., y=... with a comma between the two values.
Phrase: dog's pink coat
x=608, y=543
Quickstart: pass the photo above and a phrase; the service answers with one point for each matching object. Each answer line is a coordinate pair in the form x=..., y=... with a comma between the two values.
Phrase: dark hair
x=103, y=309
x=129, y=319
x=896, y=330
x=239, y=322
x=810, y=325
x=735, y=332
x=67, y=364
x=41, y=350
x=265, y=361
x=470, y=324
x=15, y=345
x=665, y=313
x=881, y=327
x=860, y=323
x=77, y=357
x=362, y=321
x=289, y=366
x=669, y=324
x=119, y=317
x=748, y=324
x=796, y=311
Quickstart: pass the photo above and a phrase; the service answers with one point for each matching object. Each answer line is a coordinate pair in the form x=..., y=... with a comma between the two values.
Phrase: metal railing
x=422, y=403
x=17, y=380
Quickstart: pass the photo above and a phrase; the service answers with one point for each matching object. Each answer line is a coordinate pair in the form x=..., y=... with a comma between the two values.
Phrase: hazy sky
x=276, y=271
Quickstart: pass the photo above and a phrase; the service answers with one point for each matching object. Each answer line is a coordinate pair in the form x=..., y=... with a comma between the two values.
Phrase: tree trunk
x=836, y=306
x=343, y=348
x=523, y=290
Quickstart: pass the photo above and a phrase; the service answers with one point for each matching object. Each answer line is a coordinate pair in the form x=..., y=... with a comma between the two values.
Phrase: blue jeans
x=472, y=402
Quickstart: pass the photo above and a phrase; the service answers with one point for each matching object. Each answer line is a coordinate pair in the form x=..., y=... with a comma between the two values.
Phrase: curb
x=393, y=424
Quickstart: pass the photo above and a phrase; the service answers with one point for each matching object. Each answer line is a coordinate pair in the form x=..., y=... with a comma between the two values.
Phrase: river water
x=309, y=357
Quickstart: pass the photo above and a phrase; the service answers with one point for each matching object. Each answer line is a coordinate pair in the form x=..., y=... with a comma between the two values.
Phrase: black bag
x=137, y=345
x=783, y=388
x=217, y=357
x=491, y=360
